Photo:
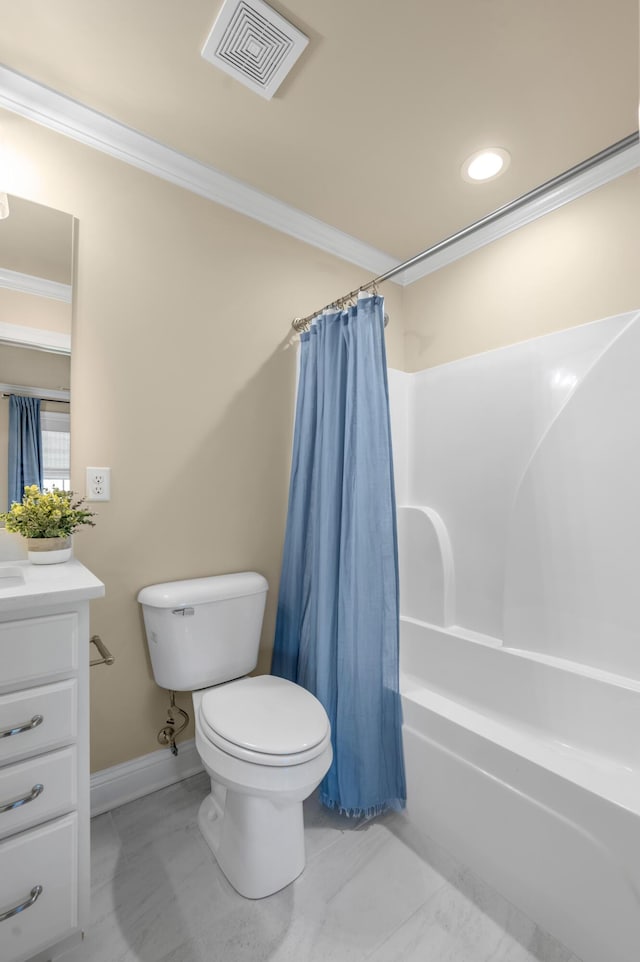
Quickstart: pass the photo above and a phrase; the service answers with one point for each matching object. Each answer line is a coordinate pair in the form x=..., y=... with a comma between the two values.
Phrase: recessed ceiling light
x=486, y=164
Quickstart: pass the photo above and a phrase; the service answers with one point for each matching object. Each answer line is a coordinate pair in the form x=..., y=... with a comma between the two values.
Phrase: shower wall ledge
x=427, y=574
x=454, y=631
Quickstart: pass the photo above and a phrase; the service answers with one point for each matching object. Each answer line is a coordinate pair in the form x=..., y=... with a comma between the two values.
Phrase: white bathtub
x=527, y=768
x=518, y=473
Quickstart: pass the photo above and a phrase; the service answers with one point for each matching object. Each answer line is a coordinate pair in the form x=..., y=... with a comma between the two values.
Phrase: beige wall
x=578, y=264
x=30, y=368
x=183, y=383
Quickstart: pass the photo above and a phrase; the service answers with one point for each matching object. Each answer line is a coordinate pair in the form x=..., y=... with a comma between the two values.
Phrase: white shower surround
x=518, y=481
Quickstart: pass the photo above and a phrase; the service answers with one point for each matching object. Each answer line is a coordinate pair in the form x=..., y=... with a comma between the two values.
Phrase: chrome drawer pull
x=35, y=894
x=35, y=791
x=35, y=721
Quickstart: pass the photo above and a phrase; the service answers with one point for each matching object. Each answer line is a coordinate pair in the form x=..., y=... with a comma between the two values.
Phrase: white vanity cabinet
x=44, y=758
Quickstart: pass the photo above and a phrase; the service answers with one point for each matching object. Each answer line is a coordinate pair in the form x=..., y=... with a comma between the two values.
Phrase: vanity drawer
x=45, y=857
x=35, y=649
x=36, y=790
x=37, y=720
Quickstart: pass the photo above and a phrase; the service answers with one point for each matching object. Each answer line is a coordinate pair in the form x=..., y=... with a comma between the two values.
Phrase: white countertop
x=23, y=584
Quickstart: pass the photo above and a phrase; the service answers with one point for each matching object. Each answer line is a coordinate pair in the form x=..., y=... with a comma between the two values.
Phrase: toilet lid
x=265, y=714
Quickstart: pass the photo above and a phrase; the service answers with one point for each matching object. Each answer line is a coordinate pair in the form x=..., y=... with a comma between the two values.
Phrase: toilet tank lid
x=199, y=591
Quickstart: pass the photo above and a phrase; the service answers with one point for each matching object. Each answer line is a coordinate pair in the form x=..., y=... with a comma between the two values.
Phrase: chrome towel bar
x=106, y=658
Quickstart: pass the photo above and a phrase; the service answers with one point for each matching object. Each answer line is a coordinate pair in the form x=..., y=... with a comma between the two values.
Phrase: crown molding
x=47, y=107
x=40, y=286
x=19, y=336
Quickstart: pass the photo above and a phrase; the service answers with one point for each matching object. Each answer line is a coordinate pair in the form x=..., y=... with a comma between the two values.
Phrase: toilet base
x=258, y=843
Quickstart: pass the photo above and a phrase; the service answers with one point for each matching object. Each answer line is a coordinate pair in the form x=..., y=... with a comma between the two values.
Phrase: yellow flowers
x=46, y=514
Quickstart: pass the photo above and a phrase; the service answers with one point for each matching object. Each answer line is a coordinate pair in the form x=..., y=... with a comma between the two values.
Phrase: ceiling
x=370, y=129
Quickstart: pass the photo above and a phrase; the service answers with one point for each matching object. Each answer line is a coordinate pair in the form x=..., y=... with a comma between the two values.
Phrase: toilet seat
x=265, y=720
x=262, y=758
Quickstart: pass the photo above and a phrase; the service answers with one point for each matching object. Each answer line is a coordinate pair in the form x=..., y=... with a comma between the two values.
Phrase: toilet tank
x=204, y=631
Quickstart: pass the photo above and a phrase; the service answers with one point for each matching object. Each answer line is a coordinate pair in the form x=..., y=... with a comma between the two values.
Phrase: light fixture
x=4, y=206
x=486, y=164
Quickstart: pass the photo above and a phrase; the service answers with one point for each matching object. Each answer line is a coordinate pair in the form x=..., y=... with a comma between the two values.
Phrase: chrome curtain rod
x=300, y=324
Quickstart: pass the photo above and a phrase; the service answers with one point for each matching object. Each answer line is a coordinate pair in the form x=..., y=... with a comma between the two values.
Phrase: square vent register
x=254, y=44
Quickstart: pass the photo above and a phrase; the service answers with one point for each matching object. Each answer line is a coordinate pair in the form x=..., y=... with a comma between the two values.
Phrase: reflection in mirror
x=36, y=245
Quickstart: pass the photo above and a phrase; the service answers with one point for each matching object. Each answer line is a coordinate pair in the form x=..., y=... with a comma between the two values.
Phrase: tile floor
x=370, y=891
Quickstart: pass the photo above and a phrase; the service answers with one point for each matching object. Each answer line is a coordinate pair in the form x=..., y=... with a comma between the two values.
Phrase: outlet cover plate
x=98, y=484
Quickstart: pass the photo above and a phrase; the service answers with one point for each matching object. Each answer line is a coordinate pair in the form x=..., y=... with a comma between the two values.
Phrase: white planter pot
x=48, y=551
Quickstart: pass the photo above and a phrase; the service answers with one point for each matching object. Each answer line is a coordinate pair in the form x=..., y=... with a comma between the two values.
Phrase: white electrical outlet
x=98, y=484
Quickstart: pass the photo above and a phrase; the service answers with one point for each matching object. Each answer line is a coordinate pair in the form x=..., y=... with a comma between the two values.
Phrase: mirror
x=36, y=269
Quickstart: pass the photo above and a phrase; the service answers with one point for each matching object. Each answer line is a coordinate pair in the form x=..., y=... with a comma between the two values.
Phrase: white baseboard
x=141, y=776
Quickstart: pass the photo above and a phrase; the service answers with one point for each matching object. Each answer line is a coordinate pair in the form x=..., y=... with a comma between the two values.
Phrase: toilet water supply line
x=167, y=735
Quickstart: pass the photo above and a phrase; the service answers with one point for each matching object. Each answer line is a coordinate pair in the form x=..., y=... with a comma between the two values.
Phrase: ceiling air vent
x=254, y=44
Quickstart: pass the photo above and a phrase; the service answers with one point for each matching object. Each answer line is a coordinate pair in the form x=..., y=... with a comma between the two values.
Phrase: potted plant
x=47, y=520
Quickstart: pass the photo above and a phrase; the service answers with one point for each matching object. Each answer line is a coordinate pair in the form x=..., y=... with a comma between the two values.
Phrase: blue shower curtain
x=337, y=623
x=25, y=445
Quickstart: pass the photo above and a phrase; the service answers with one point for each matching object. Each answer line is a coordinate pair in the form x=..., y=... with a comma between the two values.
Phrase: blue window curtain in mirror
x=25, y=445
x=337, y=623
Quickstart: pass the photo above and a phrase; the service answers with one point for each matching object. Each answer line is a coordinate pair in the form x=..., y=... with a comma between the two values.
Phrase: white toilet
x=265, y=742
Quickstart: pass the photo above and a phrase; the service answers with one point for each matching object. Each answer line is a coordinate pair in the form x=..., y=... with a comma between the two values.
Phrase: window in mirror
x=56, y=450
